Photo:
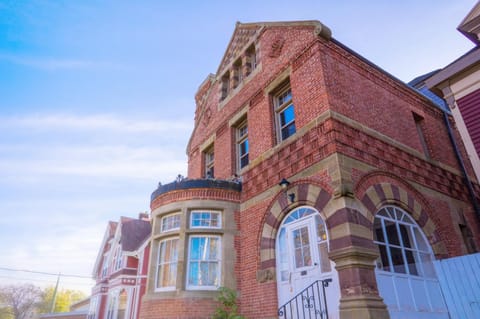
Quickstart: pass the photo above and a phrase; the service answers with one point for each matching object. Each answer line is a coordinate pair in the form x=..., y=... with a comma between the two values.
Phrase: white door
x=302, y=260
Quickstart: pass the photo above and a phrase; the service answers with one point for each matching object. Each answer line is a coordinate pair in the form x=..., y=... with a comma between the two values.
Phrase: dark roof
x=134, y=233
x=419, y=85
x=421, y=78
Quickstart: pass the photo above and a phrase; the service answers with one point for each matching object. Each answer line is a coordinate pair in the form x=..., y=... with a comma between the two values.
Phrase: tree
x=19, y=301
x=63, y=299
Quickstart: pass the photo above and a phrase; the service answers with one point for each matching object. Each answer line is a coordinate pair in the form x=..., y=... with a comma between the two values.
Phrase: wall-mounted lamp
x=284, y=184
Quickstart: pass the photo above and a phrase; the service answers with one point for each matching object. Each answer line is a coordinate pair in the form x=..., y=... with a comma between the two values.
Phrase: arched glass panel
x=402, y=245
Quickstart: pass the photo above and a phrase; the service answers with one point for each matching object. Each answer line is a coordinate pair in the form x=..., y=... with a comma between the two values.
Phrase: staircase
x=307, y=304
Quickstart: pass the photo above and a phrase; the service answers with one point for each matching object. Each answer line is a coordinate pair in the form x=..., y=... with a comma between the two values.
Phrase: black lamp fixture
x=284, y=183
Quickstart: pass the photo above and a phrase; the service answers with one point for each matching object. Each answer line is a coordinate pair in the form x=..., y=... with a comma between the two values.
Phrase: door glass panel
x=301, y=245
x=283, y=255
x=324, y=261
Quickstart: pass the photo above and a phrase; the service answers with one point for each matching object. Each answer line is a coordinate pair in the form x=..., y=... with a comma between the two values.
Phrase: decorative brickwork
x=378, y=189
x=305, y=194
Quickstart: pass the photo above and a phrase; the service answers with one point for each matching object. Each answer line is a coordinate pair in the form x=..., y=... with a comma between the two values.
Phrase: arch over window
x=302, y=251
x=403, y=247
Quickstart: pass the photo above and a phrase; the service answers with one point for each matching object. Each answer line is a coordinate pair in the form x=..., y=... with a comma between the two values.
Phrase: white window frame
x=105, y=266
x=218, y=261
x=242, y=137
x=118, y=261
x=219, y=219
x=399, y=217
x=160, y=263
x=281, y=106
x=170, y=224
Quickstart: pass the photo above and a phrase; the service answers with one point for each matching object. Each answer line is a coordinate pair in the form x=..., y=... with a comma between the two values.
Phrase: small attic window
x=237, y=73
x=225, y=86
x=250, y=60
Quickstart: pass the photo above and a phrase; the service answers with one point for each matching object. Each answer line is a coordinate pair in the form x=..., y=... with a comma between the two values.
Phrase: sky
x=97, y=104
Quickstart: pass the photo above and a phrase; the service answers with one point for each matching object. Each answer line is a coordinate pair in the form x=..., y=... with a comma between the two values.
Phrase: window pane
x=204, y=261
x=167, y=263
x=392, y=234
x=422, y=245
x=287, y=115
x=288, y=131
x=283, y=252
x=301, y=242
x=384, y=261
x=427, y=265
x=397, y=260
x=205, y=219
x=412, y=268
x=378, y=233
x=405, y=232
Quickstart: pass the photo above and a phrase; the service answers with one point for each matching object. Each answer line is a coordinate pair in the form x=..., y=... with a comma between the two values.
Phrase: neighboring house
x=120, y=269
x=459, y=84
x=78, y=310
x=308, y=165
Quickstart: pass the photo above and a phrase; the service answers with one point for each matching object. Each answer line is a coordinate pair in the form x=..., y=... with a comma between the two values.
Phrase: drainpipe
x=467, y=180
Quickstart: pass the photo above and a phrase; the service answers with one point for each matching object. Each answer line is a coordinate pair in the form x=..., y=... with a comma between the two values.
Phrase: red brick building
x=120, y=269
x=310, y=170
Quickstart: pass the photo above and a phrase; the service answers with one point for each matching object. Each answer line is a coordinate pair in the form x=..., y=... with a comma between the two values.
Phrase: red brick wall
x=187, y=308
x=324, y=76
x=296, y=38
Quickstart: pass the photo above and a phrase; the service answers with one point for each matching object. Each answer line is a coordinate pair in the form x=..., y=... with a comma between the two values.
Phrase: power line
x=46, y=280
x=44, y=273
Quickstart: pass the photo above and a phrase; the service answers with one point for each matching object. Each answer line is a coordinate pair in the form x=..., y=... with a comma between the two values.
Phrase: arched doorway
x=302, y=260
x=405, y=272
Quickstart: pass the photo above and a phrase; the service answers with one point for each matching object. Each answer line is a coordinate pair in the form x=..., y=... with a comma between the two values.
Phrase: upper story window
x=284, y=112
x=420, y=124
x=118, y=258
x=237, y=73
x=225, y=86
x=104, y=266
x=166, y=276
x=205, y=219
x=170, y=222
x=209, y=159
x=250, y=60
x=242, y=145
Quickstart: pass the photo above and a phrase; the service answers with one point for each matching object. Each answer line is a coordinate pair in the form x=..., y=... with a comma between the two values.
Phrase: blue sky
x=96, y=103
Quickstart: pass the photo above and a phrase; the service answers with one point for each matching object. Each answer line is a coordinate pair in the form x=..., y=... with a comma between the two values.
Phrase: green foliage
x=228, y=305
x=63, y=300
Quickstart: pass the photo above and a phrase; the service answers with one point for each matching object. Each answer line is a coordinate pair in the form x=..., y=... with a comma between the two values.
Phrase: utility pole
x=54, y=297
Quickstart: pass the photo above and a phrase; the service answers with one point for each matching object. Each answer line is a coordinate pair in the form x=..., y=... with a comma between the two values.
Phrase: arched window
x=402, y=244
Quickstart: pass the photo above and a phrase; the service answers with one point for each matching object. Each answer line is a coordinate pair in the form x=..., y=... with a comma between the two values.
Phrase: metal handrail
x=311, y=302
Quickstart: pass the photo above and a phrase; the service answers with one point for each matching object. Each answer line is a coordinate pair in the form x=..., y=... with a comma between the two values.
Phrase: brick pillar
x=354, y=253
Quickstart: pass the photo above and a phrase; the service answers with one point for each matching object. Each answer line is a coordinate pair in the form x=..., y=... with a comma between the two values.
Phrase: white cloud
x=93, y=122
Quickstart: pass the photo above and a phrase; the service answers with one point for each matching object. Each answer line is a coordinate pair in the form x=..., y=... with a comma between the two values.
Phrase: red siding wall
x=469, y=106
